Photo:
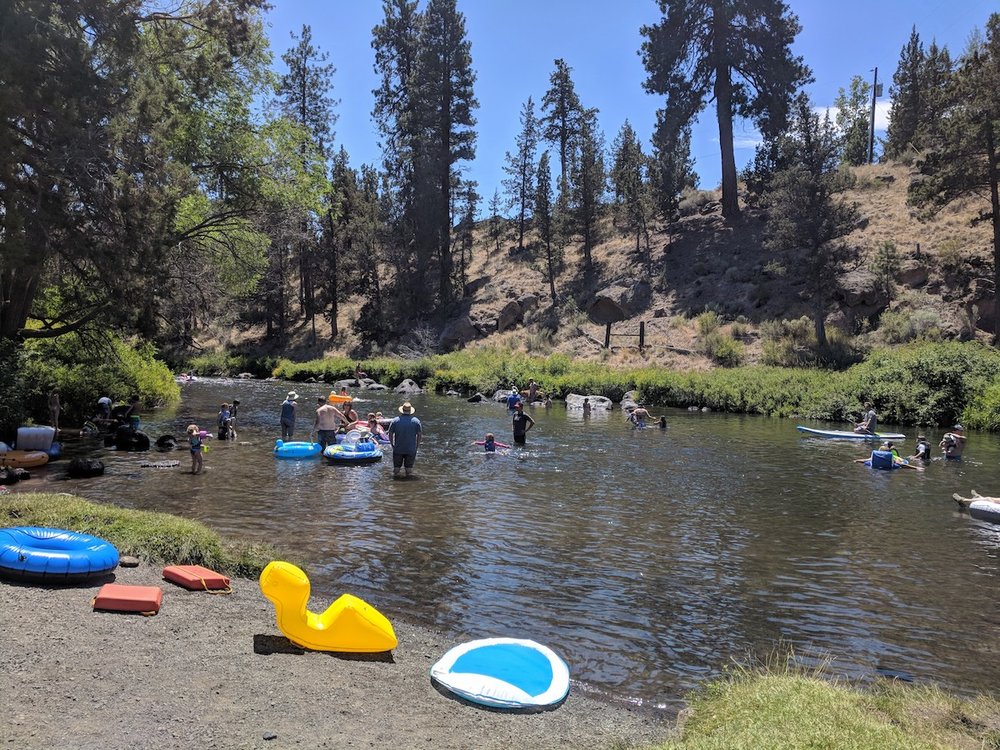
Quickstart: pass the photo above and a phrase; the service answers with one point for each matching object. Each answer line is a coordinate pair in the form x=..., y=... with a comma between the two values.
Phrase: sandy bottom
x=214, y=671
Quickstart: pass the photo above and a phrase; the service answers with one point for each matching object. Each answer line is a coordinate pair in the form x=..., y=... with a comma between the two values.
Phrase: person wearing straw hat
x=288, y=415
x=404, y=432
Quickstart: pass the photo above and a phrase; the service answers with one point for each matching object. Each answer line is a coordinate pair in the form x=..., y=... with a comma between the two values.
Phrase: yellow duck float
x=349, y=624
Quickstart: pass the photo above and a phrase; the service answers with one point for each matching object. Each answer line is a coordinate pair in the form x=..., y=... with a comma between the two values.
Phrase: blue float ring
x=44, y=555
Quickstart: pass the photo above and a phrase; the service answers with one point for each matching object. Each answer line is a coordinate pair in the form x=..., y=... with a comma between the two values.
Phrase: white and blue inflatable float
x=296, y=449
x=504, y=673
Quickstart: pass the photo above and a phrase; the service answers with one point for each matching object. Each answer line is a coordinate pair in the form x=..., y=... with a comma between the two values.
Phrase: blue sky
x=514, y=44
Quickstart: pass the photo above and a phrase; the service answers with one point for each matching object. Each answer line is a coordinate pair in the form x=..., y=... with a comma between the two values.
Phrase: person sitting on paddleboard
x=869, y=423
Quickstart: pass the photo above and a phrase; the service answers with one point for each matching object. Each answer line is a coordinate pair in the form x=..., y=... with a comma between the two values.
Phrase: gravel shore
x=215, y=672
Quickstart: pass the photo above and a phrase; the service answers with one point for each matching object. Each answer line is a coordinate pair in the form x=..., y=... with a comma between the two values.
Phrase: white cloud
x=881, y=114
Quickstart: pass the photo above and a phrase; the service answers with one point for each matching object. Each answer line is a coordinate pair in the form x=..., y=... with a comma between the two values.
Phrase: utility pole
x=871, y=137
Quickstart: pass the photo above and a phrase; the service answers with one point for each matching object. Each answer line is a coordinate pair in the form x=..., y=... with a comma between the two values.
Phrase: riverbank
x=931, y=384
x=214, y=671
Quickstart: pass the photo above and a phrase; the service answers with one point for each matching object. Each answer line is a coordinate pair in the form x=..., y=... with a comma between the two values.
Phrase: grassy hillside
x=699, y=265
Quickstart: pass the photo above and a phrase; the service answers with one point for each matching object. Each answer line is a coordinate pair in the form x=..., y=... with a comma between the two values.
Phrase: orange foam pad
x=118, y=598
x=195, y=577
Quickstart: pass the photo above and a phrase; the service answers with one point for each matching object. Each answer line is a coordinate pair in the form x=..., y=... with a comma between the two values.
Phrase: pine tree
x=805, y=216
x=964, y=160
x=853, y=120
x=672, y=167
x=303, y=98
x=935, y=78
x=497, y=222
x=465, y=234
x=546, y=221
x=735, y=52
x=906, y=111
x=520, y=169
x=445, y=104
x=589, y=185
x=562, y=121
x=633, y=202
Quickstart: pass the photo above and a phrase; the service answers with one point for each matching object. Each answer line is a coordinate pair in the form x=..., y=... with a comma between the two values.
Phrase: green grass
x=156, y=538
x=788, y=709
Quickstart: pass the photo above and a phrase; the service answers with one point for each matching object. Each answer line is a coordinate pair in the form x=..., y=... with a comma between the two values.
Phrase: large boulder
x=630, y=400
x=373, y=386
x=604, y=310
x=457, y=333
x=127, y=439
x=575, y=401
x=510, y=316
x=408, y=387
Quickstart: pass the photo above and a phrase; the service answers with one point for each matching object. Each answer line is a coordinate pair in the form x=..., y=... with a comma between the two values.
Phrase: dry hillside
x=699, y=264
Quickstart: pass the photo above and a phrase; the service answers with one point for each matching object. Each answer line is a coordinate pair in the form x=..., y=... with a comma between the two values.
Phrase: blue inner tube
x=296, y=449
x=360, y=453
x=39, y=554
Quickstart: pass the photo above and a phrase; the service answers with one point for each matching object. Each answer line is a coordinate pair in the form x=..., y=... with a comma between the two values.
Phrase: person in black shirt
x=521, y=423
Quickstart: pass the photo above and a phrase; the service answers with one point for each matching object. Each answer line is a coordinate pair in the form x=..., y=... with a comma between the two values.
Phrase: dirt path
x=215, y=672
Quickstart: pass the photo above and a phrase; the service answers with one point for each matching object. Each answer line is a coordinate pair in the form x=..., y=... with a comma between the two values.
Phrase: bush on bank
x=156, y=538
x=84, y=371
x=924, y=384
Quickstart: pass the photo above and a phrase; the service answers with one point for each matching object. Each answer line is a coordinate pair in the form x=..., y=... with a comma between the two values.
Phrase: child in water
x=194, y=438
x=490, y=444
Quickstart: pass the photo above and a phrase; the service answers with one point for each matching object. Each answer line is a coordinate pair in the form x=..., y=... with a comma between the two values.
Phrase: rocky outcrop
x=457, y=333
x=510, y=316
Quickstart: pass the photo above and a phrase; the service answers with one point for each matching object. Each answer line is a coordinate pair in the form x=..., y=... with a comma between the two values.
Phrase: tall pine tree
x=563, y=117
x=735, y=52
x=633, y=202
x=853, y=119
x=907, y=107
x=520, y=169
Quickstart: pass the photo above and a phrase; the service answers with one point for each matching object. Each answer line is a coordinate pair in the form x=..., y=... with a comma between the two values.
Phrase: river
x=649, y=559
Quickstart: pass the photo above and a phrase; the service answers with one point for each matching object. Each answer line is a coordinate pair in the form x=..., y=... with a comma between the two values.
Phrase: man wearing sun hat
x=288, y=415
x=404, y=432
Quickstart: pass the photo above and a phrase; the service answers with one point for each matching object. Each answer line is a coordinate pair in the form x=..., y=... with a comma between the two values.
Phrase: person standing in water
x=521, y=423
x=194, y=440
x=405, y=432
x=288, y=415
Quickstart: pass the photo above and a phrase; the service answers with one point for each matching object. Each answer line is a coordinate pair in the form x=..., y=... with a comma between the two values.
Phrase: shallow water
x=648, y=559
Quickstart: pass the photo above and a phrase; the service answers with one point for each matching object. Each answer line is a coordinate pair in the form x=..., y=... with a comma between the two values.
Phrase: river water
x=649, y=559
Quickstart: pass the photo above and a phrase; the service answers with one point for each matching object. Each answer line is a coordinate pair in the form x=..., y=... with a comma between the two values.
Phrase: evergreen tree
x=303, y=97
x=545, y=219
x=497, y=223
x=465, y=235
x=805, y=216
x=633, y=201
x=935, y=80
x=520, y=169
x=446, y=101
x=964, y=160
x=672, y=167
x=735, y=52
x=854, y=119
x=589, y=185
x=562, y=120
x=906, y=111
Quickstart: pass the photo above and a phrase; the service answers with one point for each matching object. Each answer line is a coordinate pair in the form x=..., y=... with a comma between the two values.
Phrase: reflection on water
x=649, y=559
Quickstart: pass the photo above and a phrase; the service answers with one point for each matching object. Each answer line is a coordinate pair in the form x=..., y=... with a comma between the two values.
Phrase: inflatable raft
x=36, y=553
x=296, y=449
x=505, y=673
x=24, y=459
x=845, y=435
x=364, y=452
x=985, y=510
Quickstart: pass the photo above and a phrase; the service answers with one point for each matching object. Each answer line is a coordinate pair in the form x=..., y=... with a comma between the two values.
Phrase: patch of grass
x=157, y=538
x=785, y=707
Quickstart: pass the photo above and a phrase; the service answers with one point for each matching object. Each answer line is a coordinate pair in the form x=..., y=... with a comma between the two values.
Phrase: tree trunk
x=552, y=275
x=724, y=110
x=332, y=281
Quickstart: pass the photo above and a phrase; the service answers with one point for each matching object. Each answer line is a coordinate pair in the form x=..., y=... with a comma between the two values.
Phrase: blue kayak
x=845, y=435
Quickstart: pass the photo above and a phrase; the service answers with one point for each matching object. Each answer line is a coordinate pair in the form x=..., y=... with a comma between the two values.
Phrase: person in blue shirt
x=513, y=399
x=404, y=432
x=288, y=415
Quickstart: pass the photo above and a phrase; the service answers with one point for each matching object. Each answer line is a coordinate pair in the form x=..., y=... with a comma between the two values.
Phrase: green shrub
x=903, y=326
x=708, y=322
x=84, y=370
x=721, y=349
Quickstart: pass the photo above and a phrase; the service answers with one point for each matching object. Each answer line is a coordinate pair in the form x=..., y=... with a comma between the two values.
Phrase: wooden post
x=642, y=334
x=607, y=336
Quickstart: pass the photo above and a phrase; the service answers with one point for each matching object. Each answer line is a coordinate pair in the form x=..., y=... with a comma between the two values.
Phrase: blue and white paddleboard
x=985, y=510
x=845, y=435
x=504, y=672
